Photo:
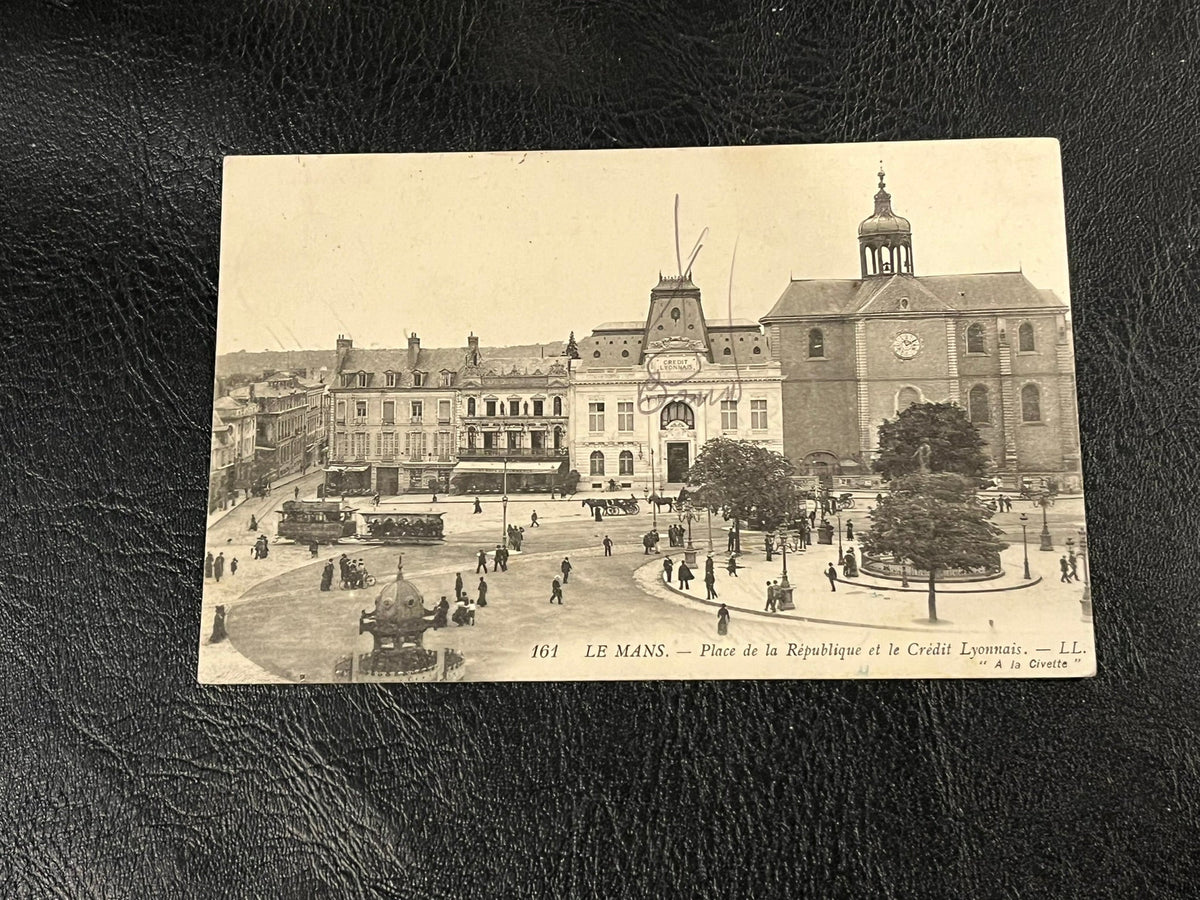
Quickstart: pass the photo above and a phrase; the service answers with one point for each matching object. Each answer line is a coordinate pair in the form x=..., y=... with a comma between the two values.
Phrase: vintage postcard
x=758, y=412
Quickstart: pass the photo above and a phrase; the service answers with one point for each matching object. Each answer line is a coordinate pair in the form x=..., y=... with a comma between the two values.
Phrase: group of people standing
x=675, y=535
x=214, y=566
x=683, y=573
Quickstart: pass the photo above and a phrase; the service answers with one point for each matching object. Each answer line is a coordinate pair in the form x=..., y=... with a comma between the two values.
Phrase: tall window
x=363, y=378
x=1025, y=337
x=418, y=379
x=443, y=445
x=417, y=410
x=625, y=416
x=340, y=445
x=596, y=420
x=539, y=407
x=758, y=415
x=678, y=411
x=729, y=415
x=489, y=407
x=471, y=437
x=1031, y=403
x=816, y=344
x=389, y=412
x=447, y=379
x=975, y=342
x=390, y=377
x=597, y=461
x=443, y=410
x=558, y=406
x=906, y=398
x=358, y=444
x=470, y=406
x=977, y=405
x=389, y=444
x=414, y=444
x=625, y=463
x=341, y=410
x=360, y=409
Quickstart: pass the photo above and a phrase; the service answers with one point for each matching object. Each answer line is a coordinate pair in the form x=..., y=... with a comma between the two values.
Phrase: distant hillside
x=246, y=363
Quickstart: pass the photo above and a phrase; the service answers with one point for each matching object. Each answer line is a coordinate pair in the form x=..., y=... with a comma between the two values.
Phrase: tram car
x=402, y=528
x=319, y=521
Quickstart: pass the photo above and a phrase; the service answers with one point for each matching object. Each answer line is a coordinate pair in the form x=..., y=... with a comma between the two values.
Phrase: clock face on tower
x=906, y=345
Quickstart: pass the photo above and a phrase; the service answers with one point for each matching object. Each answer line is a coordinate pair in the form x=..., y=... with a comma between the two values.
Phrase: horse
x=660, y=502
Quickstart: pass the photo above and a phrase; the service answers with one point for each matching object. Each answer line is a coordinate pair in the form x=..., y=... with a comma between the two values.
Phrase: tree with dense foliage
x=954, y=443
x=572, y=351
x=933, y=522
x=743, y=479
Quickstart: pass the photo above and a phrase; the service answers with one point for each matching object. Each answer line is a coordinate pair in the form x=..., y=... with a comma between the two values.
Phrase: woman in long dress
x=723, y=620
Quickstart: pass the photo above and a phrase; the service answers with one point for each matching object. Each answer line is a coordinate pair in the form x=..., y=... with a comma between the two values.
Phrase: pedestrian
x=723, y=620
x=556, y=592
x=533, y=522
x=770, y=607
x=472, y=606
x=566, y=569
x=478, y=508
x=233, y=567
x=458, y=584
x=462, y=615
x=208, y=566
x=770, y=548
x=849, y=563
x=710, y=582
x=344, y=567
x=654, y=539
x=831, y=574
x=253, y=524
x=849, y=530
x=327, y=576
x=733, y=566
x=551, y=492
x=497, y=558
x=1074, y=567
x=1066, y=570
x=264, y=551
x=296, y=493
x=596, y=511
x=440, y=613
x=219, y=566
x=685, y=576
x=503, y=559
x=729, y=547
x=481, y=564
x=708, y=564
x=668, y=567
x=646, y=543
x=483, y=588
x=313, y=549
x=607, y=545
x=812, y=518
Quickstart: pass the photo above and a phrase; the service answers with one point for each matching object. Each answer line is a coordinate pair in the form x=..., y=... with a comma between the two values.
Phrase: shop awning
x=494, y=467
x=347, y=468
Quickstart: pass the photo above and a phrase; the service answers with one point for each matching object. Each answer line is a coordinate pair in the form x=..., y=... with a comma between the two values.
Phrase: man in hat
x=566, y=569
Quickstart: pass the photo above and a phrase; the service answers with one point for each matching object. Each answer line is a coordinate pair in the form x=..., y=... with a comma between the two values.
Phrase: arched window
x=1031, y=403
x=816, y=344
x=597, y=460
x=728, y=351
x=558, y=434
x=1025, y=337
x=906, y=398
x=625, y=463
x=975, y=342
x=558, y=406
x=470, y=406
x=471, y=437
x=678, y=411
x=757, y=350
x=977, y=405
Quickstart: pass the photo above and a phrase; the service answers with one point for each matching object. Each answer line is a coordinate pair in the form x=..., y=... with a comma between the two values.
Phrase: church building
x=855, y=352
x=648, y=394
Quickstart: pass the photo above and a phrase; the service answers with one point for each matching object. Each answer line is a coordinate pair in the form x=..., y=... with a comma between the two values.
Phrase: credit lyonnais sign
x=673, y=364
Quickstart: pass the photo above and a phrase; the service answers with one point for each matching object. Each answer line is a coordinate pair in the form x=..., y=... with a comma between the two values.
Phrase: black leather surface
x=122, y=778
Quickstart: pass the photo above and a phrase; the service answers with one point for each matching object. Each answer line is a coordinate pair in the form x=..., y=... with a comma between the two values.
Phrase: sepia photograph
x=719, y=413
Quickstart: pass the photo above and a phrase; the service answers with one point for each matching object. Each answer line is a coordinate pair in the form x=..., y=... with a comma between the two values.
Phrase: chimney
x=252, y=392
x=473, y=348
x=344, y=346
x=414, y=349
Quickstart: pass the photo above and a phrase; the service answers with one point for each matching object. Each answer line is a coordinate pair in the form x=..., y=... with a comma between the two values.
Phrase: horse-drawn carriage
x=614, y=506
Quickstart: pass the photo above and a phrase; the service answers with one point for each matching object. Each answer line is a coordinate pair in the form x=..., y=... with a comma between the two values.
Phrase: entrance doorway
x=678, y=460
x=387, y=480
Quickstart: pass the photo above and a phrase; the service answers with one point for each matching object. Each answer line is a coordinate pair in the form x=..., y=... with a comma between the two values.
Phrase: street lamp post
x=1087, y=585
x=785, y=587
x=839, y=518
x=1043, y=502
x=708, y=510
x=504, y=506
x=654, y=491
x=1025, y=543
x=688, y=515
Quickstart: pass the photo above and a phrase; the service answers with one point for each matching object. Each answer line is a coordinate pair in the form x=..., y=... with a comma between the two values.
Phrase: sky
x=527, y=247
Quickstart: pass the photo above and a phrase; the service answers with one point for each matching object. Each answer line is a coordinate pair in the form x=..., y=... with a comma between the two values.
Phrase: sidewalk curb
x=940, y=591
x=791, y=617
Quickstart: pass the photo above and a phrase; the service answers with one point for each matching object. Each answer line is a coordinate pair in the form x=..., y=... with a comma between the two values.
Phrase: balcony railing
x=500, y=452
x=483, y=419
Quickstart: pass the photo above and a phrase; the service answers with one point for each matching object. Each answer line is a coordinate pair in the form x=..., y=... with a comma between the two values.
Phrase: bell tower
x=885, y=239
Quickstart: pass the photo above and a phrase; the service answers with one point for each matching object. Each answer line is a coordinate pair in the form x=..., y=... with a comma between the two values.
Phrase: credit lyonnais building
x=855, y=352
x=648, y=394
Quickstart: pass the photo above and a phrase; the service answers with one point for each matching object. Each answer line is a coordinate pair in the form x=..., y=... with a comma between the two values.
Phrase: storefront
x=512, y=477
x=348, y=481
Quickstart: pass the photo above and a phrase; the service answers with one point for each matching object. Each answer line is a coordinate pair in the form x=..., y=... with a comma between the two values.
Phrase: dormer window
x=418, y=379
x=447, y=379
x=363, y=379
x=904, y=303
x=391, y=379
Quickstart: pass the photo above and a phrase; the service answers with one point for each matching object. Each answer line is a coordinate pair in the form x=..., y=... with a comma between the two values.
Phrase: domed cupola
x=884, y=238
